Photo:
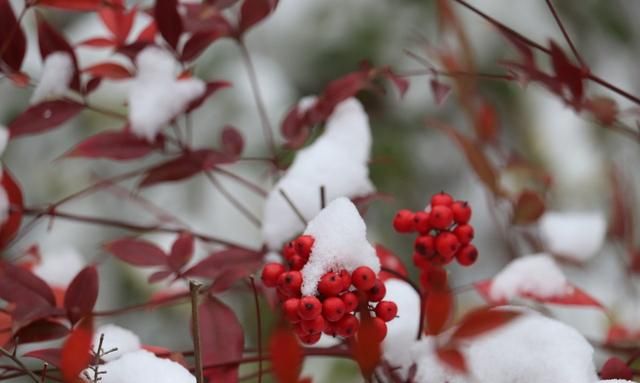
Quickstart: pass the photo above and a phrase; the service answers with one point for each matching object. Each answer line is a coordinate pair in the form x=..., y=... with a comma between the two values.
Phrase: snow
x=4, y=204
x=4, y=138
x=340, y=243
x=144, y=367
x=57, y=72
x=616, y=381
x=116, y=337
x=402, y=330
x=536, y=274
x=156, y=96
x=337, y=160
x=531, y=349
x=58, y=267
x=577, y=235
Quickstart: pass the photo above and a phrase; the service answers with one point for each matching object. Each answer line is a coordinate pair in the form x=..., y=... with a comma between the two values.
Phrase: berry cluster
x=444, y=232
x=340, y=296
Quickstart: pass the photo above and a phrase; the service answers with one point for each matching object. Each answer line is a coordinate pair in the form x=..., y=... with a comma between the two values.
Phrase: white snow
x=4, y=138
x=536, y=274
x=531, y=349
x=577, y=235
x=616, y=381
x=402, y=330
x=57, y=72
x=144, y=367
x=58, y=267
x=4, y=203
x=123, y=340
x=340, y=243
x=156, y=96
x=337, y=160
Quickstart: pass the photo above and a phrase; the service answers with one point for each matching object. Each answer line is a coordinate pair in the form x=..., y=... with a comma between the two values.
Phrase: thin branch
x=18, y=362
x=323, y=197
x=250, y=185
x=194, y=289
x=293, y=206
x=565, y=34
x=259, y=326
x=233, y=200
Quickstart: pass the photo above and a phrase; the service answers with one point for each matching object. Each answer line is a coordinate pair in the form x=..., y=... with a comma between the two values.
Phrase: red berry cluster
x=340, y=296
x=444, y=232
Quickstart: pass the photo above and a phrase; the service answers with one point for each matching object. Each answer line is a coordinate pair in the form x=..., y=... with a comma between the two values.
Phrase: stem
x=293, y=206
x=233, y=200
x=565, y=34
x=20, y=364
x=259, y=326
x=194, y=289
x=323, y=197
x=250, y=185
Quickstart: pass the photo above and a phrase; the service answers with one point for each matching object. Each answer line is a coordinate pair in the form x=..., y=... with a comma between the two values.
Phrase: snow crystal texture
x=576, y=235
x=116, y=337
x=57, y=72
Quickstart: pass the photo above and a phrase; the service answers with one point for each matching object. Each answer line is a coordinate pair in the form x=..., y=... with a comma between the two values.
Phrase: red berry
x=313, y=326
x=441, y=199
x=296, y=262
x=377, y=292
x=421, y=219
x=350, y=301
x=270, y=274
x=289, y=250
x=464, y=233
x=309, y=307
x=346, y=279
x=403, y=221
x=380, y=329
x=290, y=310
x=363, y=278
x=330, y=284
x=310, y=339
x=467, y=255
x=331, y=328
x=425, y=245
x=333, y=309
x=290, y=282
x=446, y=245
x=303, y=245
x=461, y=212
x=386, y=310
x=441, y=217
x=348, y=325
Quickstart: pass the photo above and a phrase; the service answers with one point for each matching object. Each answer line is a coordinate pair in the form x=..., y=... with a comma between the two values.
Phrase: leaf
x=49, y=41
x=401, y=83
x=71, y=5
x=439, y=90
x=481, y=321
x=286, y=355
x=615, y=368
x=486, y=122
x=574, y=297
x=390, y=261
x=366, y=346
x=12, y=38
x=211, y=88
x=200, y=41
x=75, y=355
x=97, y=42
x=184, y=166
x=528, y=208
x=219, y=262
x=222, y=339
x=453, y=358
x=232, y=142
x=168, y=21
x=24, y=279
x=181, y=251
x=40, y=331
x=254, y=11
x=137, y=252
x=11, y=225
x=159, y=275
x=118, y=21
x=120, y=145
x=227, y=279
x=52, y=356
x=566, y=72
x=111, y=71
x=43, y=117
x=82, y=294
x=438, y=310
x=343, y=88
x=604, y=109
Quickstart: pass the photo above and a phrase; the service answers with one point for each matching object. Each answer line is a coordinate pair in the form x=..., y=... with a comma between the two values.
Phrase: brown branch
x=194, y=289
x=565, y=34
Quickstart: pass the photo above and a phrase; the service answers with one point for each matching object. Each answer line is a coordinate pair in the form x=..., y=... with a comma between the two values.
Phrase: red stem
x=565, y=34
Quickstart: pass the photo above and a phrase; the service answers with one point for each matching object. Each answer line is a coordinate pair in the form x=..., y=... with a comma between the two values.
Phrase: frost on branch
x=578, y=235
x=57, y=73
x=115, y=337
x=156, y=96
x=340, y=243
x=536, y=275
x=337, y=160
x=143, y=366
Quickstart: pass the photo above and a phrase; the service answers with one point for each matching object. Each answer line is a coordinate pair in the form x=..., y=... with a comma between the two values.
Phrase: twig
x=293, y=206
x=17, y=361
x=43, y=375
x=233, y=200
x=194, y=289
x=250, y=185
x=564, y=32
x=259, y=326
x=323, y=197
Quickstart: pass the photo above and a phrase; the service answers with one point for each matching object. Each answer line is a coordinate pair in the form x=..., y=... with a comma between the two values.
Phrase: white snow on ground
x=577, y=235
x=57, y=72
x=337, y=160
x=144, y=367
x=115, y=337
x=340, y=243
x=58, y=267
x=536, y=274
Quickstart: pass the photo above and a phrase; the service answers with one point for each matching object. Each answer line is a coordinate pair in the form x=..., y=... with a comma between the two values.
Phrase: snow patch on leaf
x=536, y=275
x=57, y=73
x=576, y=235
x=143, y=366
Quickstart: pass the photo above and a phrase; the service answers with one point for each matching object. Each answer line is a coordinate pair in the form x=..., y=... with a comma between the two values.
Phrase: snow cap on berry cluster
x=143, y=366
x=115, y=337
x=536, y=274
x=340, y=243
x=337, y=160
x=575, y=235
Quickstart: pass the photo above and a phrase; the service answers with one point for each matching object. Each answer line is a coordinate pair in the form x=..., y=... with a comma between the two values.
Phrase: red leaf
x=486, y=122
x=184, y=166
x=6, y=325
x=232, y=142
x=219, y=262
x=528, y=208
x=295, y=127
x=168, y=21
x=440, y=91
x=568, y=74
x=44, y=116
x=108, y=70
x=286, y=355
x=604, y=109
x=481, y=321
x=342, y=88
x=227, y=279
x=137, y=252
x=11, y=225
x=82, y=293
x=98, y=42
x=49, y=41
x=366, y=345
x=575, y=296
x=389, y=260
x=52, y=356
x=401, y=83
x=453, y=358
x=19, y=278
x=72, y=5
x=75, y=355
x=12, y=37
x=615, y=368
x=148, y=34
x=254, y=11
x=439, y=310
x=120, y=145
x=118, y=21
x=159, y=275
x=212, y=87
x=200, y=41
x=181, y=251
x=222, y=339
x=40, y=331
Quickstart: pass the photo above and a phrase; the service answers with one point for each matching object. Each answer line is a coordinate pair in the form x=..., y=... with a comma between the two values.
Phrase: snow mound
x=576, y=235
x=156, y=96
x=536, y=275
x=337, y=160
x=143, y=367
x=58, y=267
x=115, y=337
x=57, y=72
x=532, y=349
x=340, y=243
x=616, y=381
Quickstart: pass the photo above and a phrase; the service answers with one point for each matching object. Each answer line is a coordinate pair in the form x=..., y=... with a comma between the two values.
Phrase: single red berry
x=441, y=199
x=296, y=262
x=363, y=278
x=313, y=326
x=330, y=284
x=348, y=325
x=309, y=307
x=464, y=233
x=380, y=329
x=447, y=244
x=425, y=245
x=333, y=309
x=421, y=219
x=310, y=339
x=331, y=328
x=350, y=301
x=303, y=245
x=467, y=255
x=270, y=274
x=290, y=282
x=377, y=292
x=433, y=278
x=441, y=217
x=386, y=310
x=290, y=310
x=461, y=212
x=403, y=221
x=346, y=279
x=289, y=250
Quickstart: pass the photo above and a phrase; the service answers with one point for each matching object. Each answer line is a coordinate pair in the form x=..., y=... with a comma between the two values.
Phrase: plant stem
x=259, y=326
x=194, y=289
x=233, y=200
x=20, y=364
x=293, y=207
x=565, y=34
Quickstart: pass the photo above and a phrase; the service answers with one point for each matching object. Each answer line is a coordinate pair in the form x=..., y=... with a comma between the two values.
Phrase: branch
x=194, y=289
x=20, y=364
x=565, y=34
